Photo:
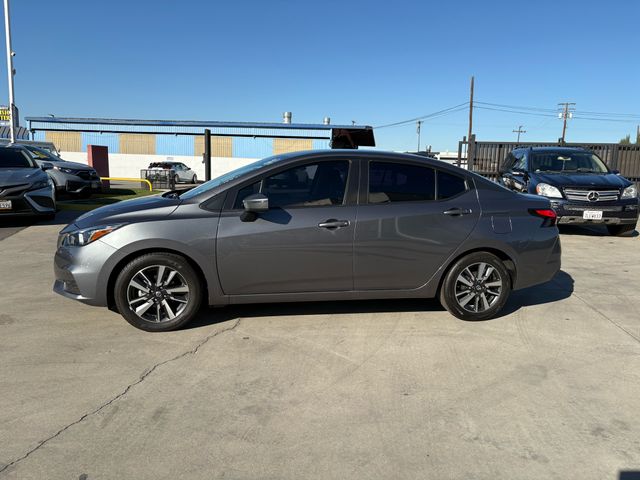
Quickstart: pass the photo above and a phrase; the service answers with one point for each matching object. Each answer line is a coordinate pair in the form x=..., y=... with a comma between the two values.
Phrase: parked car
x=25, y=188
x=320, y=225
x=70, y=177
x=581, y=188
x=181, y=173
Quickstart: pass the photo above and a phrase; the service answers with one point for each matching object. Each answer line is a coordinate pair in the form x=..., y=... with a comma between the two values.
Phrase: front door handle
x=454, y=212
x=333, y=223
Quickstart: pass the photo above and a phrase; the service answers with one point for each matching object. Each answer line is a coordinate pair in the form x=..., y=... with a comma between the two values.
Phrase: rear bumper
x=622, y=212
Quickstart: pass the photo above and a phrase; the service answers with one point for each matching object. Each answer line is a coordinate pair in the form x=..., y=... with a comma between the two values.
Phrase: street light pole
x=10, y=72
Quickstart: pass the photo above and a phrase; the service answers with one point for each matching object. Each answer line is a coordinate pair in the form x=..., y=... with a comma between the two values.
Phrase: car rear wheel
x=620, y=229
x=476, y=287
x=158, y=292
x=194, y=179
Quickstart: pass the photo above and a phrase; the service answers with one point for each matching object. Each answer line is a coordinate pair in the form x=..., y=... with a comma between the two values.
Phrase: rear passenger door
x=411, y=218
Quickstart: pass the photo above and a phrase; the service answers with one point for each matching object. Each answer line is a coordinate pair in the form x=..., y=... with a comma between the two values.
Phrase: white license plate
x=5, y=205
x=592, y=215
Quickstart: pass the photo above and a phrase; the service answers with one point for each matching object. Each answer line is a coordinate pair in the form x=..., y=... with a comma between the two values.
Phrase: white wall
x=129, y=165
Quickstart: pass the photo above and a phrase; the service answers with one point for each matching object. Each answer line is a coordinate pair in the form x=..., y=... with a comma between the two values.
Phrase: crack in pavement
x=141, y=379
x=606, y=317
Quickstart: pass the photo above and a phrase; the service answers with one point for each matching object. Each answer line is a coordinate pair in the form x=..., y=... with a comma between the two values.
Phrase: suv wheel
x=158, y=292
x=476, y=287
x=620, y=229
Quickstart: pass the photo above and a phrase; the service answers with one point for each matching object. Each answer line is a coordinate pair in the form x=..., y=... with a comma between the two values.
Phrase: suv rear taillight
x=548, y=215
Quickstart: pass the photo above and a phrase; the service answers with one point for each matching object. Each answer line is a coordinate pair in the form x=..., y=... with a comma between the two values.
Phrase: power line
x=519, y=131
x=439, y=113
x=516, y=111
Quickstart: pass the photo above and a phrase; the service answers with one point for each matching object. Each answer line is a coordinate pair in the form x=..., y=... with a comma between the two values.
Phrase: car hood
x=16, y=176
x=135, y=210
x=65, y=164
x=586, y=180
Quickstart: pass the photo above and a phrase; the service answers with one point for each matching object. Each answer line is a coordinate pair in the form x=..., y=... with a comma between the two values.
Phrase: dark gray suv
x=320, y=225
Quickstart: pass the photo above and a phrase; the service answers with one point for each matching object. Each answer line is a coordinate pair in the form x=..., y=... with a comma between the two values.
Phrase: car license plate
x=592, y=215
x=5, y=205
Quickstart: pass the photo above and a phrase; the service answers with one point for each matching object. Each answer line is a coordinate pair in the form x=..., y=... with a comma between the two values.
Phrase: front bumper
x=30, y=202
x=77, y=272
x=621, y=212
x=78, y=185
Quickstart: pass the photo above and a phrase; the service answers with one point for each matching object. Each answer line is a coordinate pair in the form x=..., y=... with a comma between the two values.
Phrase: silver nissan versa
x=319, y=225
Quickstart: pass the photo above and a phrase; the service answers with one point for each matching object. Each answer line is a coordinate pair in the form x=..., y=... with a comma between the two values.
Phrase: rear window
x=11, y=158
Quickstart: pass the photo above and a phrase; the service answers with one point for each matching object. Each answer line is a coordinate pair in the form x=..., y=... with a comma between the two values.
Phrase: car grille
x=87, y=175
x=582, y=208
x=591, y=195
x=13, y=190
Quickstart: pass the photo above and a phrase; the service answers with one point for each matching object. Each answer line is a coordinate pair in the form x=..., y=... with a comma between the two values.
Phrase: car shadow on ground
x=559, y=288
x=591, y=230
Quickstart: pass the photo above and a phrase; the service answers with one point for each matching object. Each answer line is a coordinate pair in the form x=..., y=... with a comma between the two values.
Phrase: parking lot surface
x=388, y=389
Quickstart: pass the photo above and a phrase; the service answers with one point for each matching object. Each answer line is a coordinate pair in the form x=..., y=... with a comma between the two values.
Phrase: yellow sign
x=5, y=116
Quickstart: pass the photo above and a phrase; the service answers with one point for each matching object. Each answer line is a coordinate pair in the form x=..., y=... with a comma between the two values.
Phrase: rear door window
x=450, y=185
x=400, y=182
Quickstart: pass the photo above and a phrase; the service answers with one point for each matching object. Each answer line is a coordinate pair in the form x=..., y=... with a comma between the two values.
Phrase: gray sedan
x=320, y=225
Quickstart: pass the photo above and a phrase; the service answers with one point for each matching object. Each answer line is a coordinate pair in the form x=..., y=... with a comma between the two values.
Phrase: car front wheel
x=158, y=292
x=476, y=287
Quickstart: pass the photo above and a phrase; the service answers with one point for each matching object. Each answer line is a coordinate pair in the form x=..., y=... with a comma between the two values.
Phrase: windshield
x=13, y=158
x=41, y=154
x=582, y=162
x=227, y=177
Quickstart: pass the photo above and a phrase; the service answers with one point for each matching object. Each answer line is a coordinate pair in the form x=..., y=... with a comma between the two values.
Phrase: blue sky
x=373, y=62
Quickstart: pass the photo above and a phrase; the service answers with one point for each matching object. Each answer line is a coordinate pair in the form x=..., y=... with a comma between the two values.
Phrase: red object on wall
x=98, y=156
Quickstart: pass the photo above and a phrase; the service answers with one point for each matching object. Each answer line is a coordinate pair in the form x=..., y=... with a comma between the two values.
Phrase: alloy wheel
x=478, y=287
x=157, y=293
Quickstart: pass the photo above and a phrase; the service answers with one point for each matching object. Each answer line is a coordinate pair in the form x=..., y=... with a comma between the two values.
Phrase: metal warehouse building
x=133, y=144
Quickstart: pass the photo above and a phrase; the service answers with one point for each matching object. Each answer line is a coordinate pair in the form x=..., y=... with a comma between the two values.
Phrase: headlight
x=63, y=169
x=630, y=192
x=547, y=190
x=40, y=184
x=85, y=236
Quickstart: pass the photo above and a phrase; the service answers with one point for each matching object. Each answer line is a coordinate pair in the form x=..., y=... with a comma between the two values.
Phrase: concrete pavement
x=393, y=389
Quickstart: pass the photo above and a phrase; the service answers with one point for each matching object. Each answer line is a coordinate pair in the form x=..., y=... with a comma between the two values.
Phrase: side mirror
x=46, y=166
x=253, y=205
x=615, y=172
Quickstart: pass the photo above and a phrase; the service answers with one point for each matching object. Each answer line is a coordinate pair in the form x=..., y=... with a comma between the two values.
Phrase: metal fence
x=485, y=158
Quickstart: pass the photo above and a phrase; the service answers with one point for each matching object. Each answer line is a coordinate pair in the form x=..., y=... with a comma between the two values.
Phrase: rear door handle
x=454, y=212
x=333, y=223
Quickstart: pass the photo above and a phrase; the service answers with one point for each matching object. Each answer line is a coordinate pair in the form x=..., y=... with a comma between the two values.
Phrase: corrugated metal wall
x=286, y=145
x=65, y=141
x=178, y=140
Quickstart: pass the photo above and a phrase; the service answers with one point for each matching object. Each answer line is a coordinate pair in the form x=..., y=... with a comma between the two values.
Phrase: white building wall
x=129, y=165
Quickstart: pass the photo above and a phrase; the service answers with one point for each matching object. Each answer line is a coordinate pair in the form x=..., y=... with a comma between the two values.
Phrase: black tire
x=453, y=292
x=176, y=179
x=618, y=230
x=194, y=179
x=185, y=274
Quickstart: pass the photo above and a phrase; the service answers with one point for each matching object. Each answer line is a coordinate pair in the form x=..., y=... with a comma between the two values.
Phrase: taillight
x=550, y=217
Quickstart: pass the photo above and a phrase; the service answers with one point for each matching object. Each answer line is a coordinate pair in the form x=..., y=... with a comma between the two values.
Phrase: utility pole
x=11, y=72
x=519, y=131
x=565, y=113
x=418, y=125
x=470, y=111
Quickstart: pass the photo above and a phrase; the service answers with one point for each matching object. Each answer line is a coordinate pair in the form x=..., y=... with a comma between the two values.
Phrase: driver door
x=304, y=243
